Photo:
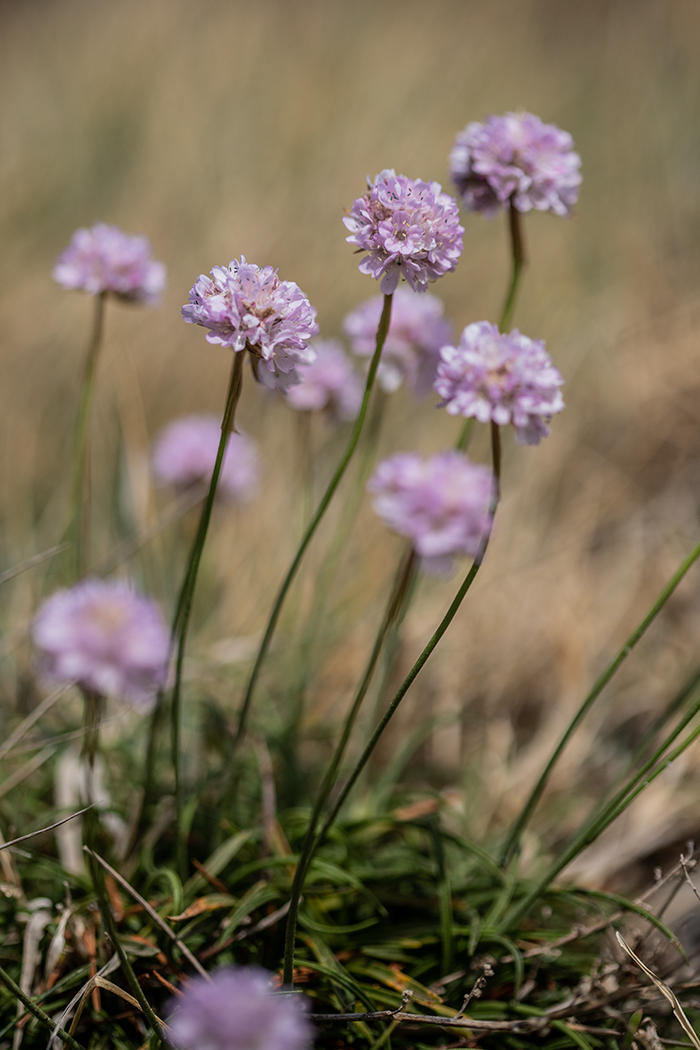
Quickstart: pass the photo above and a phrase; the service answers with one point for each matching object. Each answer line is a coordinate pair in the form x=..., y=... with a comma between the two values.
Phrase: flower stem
x=512, y=843
x=399, y=593
x=382, y=331
x=79, y=528
x=183, y=610
x=518, y=261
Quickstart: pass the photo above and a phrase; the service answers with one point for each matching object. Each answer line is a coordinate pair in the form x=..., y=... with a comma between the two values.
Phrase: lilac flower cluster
x=106, y=637
x=410, y=228
x=412, y=348
x=328, y=383
x=516, y=157
x=105, y=259
x=184, y=454
x=237, y=1010
x=443, y=504
x=504, y=378
x=247, y=307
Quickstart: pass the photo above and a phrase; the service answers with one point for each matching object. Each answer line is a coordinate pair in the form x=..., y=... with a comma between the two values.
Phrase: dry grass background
x=219, y=128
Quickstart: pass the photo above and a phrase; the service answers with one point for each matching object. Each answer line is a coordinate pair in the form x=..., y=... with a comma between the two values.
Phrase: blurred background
x=223, y=128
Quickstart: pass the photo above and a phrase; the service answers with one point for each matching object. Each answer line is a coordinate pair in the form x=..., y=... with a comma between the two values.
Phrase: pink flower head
x=443, y=504
x=105, y=259
x=184, y=454
x=106, y=637
x=516, y=157
x=247, y=307
x=237, y=1010
x=504, y=378
x=412, y=348
x=328, y=383
x=408, y=227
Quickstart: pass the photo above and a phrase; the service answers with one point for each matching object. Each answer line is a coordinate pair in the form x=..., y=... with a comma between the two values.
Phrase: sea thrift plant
x=516, y=157
x=502, y=378
x=408, y=227
x=184, y=454
x=105, y=637
x=412, y=349
x=237, y=1010
x=443, y=504
x=329, y=383
x=247, y=307
x=105, y=259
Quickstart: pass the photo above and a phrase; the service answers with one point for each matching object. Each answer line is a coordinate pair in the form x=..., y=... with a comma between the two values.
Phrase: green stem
x=594, y=827
x=399, y=593
x=183, y=611
x=314, y=523
x=513, y=841
x=41, y=1016
x=79, y=530
x=518, y=261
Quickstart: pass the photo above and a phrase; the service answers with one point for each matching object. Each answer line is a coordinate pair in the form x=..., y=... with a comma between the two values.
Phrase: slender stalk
x=399, y=593
x=513, y=841
x=382, y=331
x=94, y=704
x=183, y=611
x=593, y=828
x=41, y=1016
x=79, y=529
x=518, y=262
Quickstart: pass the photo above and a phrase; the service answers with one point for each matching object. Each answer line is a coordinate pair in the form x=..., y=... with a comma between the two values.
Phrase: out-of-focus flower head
x=519, y=158
x=412, y=349
x=247, y=307
x=328, y=383
x=105, y=259
x=503, y=378
x=410, y=228
x=105, y=637
x=237, y=1010
x=184, y=454
x=443, y=504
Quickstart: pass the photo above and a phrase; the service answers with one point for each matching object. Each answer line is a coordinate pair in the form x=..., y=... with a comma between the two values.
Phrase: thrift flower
x=443, y=504
x=105, y=259
x=516, y=157
x=184, y=454
x=247, y=307
x=412, y=348
x=237, y=1010
x=504, y=378
x=410, y=228
x=328, y=383
x=106, y=637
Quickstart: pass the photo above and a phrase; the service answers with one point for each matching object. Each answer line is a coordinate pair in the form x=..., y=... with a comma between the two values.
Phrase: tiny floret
x=412, y=349
x=409, y=228
x=519, y=158
x=237, y=1010
x=105, y=637
x=184, y=454
x=105, y=259
x=247, y=307
x=328, y=384
x=443, y=504
x=503, y=378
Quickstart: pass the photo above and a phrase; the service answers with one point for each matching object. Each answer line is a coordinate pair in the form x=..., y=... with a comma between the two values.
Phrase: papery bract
x=516, y=157
x=247, y=307
x=328, y=384
x=410, y=228
x=237, y=1010
x=412, y=348
x=105, y=637
x=184, y=454
x=443, y=504
x=503, y=378
x=105, y=259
